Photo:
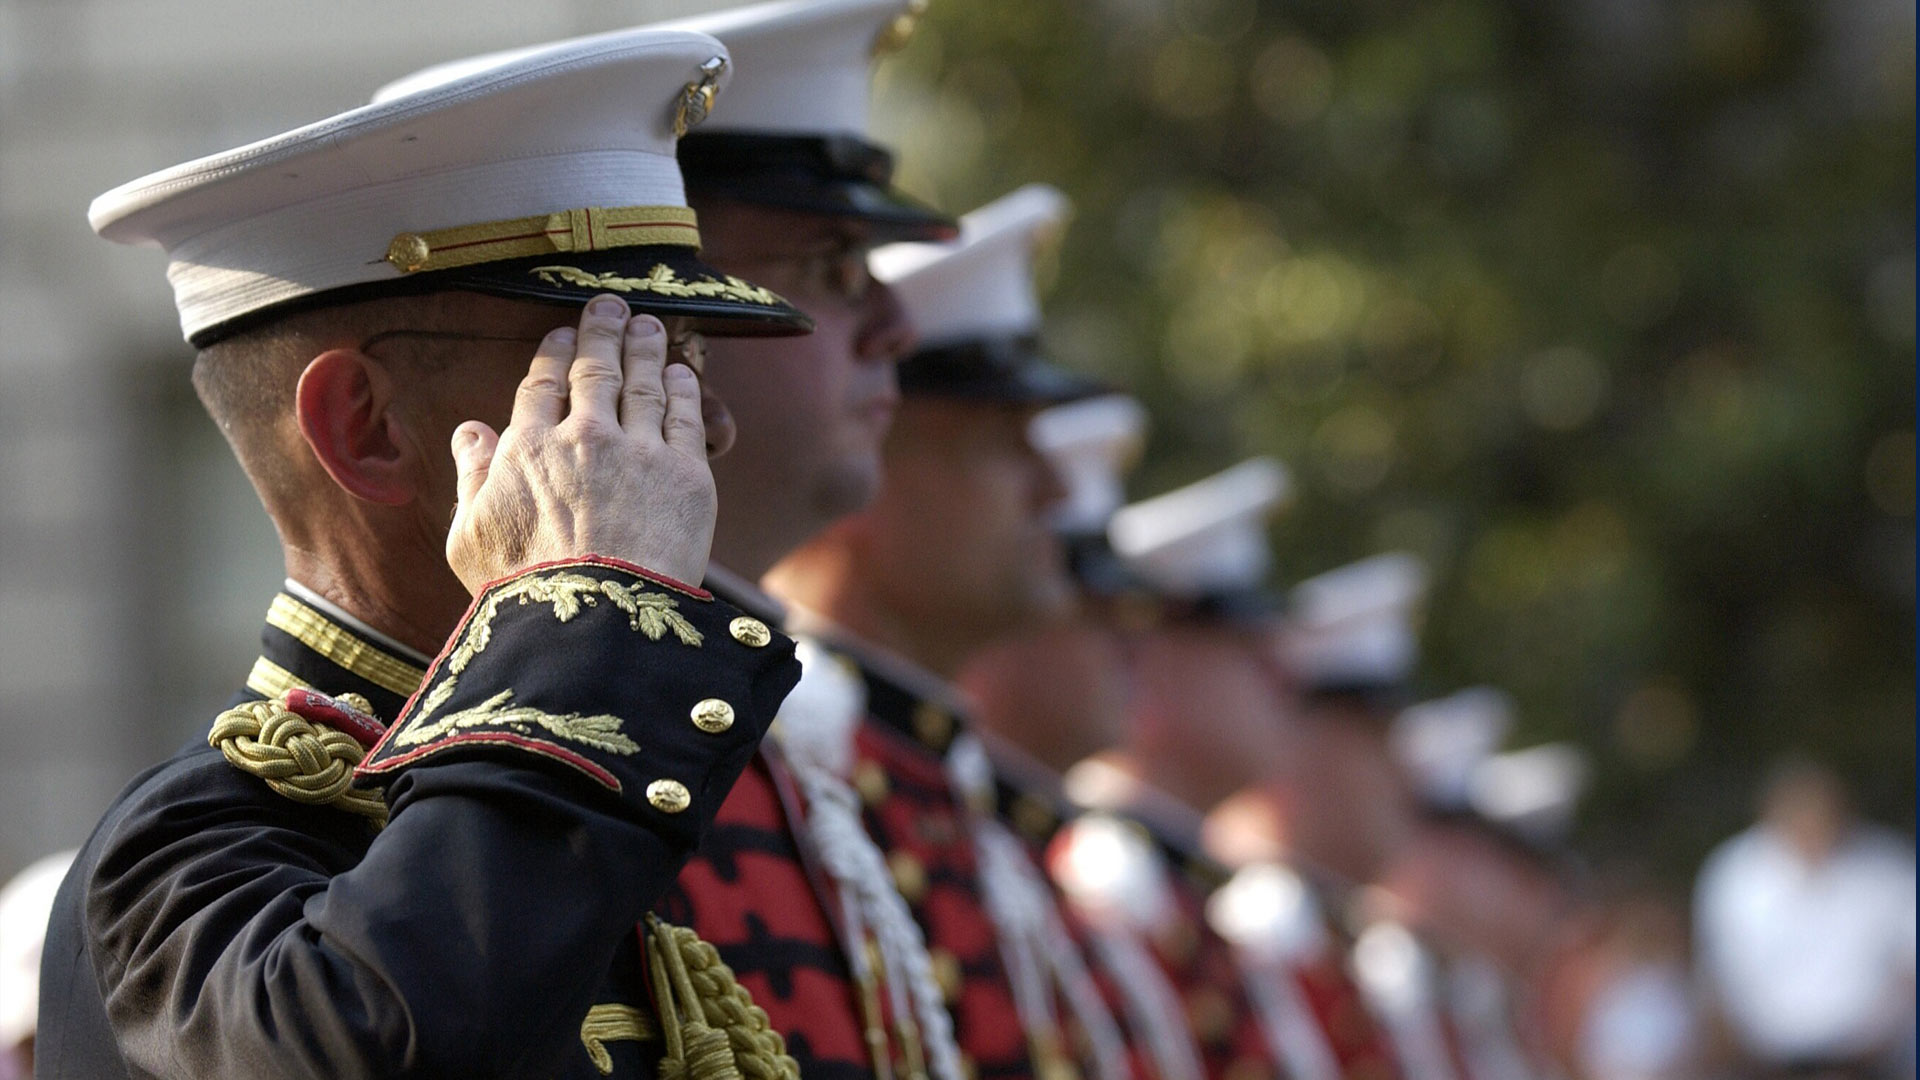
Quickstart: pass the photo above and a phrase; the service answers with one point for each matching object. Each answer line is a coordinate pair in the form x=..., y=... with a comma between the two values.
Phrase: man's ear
x=345, y=408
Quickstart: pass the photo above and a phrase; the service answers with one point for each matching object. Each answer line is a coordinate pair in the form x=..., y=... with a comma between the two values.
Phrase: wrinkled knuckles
x=541, y=387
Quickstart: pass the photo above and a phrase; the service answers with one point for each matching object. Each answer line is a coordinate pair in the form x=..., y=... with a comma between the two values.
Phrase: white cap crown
x=980, y=285
x=1357, y=625
x=1442, y=743
x=1091, y=444
x=1207, y=538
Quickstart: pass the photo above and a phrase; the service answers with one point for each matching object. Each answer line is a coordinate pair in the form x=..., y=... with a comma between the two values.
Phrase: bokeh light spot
x=1354, y=449
x=1562, y=389
x=1291, y=82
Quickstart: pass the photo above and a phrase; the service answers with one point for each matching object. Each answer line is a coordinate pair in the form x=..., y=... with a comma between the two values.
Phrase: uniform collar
x=737, y=590
x=901, y=695
x=310, y=643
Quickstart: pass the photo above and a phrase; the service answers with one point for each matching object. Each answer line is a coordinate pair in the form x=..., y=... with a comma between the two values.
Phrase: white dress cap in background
x=1532, y=793
x=1207, y=538
x=561, y=157
x=979, y=286
x=792, y=132
x=808, y=64
x=1091, y=445
x=1356, y=627
x=1442, y=743
x=25, y=904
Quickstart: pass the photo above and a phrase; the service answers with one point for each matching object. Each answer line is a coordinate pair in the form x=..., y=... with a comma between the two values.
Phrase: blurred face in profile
x=812, y=412
x=960, y=536
x=1060, y=693
x=1206, y=723
x=1351, y=807
x=1475, y=893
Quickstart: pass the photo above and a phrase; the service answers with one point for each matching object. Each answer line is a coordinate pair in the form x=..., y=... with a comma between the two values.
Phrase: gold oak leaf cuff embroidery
x=600, y=732
x=649, y=613
x=661, y=281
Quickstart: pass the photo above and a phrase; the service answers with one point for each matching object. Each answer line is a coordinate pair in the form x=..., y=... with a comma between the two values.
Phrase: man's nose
x=886, y=335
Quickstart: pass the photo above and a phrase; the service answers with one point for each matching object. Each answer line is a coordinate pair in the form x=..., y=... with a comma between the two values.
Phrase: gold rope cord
x=304, y=761
x=713, y=1029
x=613, y=1023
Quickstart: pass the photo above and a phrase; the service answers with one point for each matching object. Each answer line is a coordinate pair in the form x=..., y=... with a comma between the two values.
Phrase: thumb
x=473, y=446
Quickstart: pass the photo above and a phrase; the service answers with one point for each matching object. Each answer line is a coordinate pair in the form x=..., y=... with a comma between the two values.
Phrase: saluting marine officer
x=378, y=865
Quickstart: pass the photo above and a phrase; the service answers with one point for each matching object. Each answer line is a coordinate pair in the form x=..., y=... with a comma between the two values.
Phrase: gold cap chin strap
x=592, y=228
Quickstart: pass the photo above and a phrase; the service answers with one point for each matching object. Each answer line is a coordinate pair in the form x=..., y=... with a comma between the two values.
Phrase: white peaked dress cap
x=1208, y=538
x=1532, y=793
x=979, y=286
x=793, y=130
x=550, y=176
x=974, y=308
x=1441, y=744
x=1356, y=627
x=808, y=64
x=1091, y=444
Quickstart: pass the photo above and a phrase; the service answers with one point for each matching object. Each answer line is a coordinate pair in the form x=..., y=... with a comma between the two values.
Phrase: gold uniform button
x=713, y=716
x=909, y=876
x=870, y=780
x=750, y=632
x=1210, y=1015
x=669, y=796
x=946, y=973
x=933, y=724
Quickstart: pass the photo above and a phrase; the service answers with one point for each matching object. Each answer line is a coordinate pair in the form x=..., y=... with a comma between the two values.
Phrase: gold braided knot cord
x=713, y=1029
x=302, y=760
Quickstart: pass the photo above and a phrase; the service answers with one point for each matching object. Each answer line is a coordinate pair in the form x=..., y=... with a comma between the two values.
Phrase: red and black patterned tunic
x=919, y=818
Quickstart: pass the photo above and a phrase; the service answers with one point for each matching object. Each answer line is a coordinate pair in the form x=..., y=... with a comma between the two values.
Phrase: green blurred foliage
x=1605, y=309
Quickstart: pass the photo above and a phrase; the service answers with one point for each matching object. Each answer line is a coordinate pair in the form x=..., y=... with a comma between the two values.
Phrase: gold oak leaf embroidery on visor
x=649, y=613
x=661, y=281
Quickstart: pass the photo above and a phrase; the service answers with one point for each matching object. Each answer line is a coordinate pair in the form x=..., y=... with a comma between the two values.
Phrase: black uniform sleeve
x=545, y=786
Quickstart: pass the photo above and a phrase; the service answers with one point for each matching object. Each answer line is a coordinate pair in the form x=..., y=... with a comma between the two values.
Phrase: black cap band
x=997, y=369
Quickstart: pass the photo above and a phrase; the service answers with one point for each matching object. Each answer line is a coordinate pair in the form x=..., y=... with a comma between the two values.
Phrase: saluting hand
x=605, y=455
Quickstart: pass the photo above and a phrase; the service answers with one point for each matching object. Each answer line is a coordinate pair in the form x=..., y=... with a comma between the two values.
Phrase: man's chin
x=847, y=488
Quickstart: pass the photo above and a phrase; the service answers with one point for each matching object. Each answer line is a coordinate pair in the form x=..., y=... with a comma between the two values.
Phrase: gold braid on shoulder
x=302, y=759
x=713, y=1029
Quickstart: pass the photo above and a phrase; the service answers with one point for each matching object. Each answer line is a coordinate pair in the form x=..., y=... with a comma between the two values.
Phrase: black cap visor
x=836, y=176
x=1008, y=370
x=663, y=280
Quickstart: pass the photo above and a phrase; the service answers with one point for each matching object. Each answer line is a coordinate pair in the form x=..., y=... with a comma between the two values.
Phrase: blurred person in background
x=1157, y=703
x=1629, y=1000
x=1805, y=930
x=953, y=552
x=25, y=903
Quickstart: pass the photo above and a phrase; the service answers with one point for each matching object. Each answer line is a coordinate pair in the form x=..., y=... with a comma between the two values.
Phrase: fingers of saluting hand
x=595, y=377
x=685, y=426
x=542, y=398
x=643, y=399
